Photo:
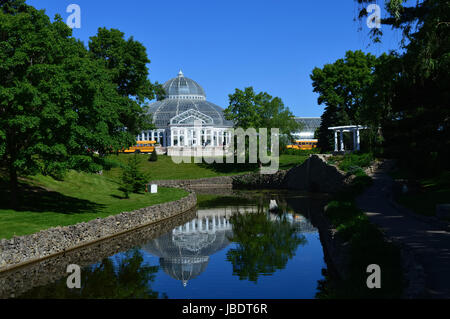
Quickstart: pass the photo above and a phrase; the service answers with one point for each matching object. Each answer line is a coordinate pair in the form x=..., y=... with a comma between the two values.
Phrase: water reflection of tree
x=263, y=245
x=128, y=278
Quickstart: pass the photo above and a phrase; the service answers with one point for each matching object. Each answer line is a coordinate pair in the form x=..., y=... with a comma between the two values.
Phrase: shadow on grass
x=228, y=168
x=38, y=199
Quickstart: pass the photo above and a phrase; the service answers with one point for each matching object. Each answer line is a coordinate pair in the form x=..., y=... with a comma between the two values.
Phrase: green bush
x=292, y=151
x=350, y=161
x=153, y=157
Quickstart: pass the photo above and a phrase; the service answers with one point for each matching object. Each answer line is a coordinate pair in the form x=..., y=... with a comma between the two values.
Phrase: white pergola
x=348, y=128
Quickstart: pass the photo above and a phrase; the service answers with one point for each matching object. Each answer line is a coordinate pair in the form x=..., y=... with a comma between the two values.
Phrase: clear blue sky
x=272, y=45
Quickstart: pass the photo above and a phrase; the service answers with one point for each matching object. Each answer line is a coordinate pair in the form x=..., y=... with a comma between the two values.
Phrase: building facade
x=185, y=119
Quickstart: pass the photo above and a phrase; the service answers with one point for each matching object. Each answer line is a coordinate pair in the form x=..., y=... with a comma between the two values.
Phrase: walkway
x=428, y=241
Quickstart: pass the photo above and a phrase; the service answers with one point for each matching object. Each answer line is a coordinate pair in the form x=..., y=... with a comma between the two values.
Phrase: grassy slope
x=79, y=198
x=166, y=169
x=82, y=197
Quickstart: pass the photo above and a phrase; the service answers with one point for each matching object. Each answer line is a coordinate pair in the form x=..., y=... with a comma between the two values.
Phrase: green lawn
x=82, y=197
x=79, y=198
x=166, y=169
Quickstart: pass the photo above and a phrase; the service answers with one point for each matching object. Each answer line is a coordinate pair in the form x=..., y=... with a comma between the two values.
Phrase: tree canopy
x=341, y=86
x=60, y=104
x=248, y=109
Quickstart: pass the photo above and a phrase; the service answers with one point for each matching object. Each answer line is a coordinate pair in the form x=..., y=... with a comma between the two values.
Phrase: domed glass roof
x=183, y=94
x=182, y=86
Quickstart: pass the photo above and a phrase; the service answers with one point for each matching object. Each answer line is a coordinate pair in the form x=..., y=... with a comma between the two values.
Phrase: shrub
x=153, y=157
x=133, y=180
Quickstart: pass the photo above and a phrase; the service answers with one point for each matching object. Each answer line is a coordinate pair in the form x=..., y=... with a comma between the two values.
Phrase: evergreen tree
x=133, y=180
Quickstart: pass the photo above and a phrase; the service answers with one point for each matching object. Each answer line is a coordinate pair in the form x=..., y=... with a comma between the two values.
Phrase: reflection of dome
x=184, y=268
x=184, y=252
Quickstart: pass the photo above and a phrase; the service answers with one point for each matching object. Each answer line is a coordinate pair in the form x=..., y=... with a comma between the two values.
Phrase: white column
x=207, y=223
x=358, y=140
x=335, y=141
x=171, y=137
x=342, y=141
x=153, y=135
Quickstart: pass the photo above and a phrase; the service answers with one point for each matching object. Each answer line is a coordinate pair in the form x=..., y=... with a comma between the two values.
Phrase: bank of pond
x=231, y=246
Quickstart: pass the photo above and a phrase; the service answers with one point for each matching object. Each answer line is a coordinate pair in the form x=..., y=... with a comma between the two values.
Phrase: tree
x=248, y=109
x=59, y=104
x=133, y=180
x=418, y=131
x=341, y=87
x=262, y=246
x=126, y=278
x=153, y=156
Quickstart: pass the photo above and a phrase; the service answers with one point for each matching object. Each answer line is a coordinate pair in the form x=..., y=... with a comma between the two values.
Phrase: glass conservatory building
x=309, y=127
x=185, y=119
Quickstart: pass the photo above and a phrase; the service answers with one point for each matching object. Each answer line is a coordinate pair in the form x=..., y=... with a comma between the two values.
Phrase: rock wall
x=314, y=175
x=17, y=281
x=22, y=250
x=217, y=182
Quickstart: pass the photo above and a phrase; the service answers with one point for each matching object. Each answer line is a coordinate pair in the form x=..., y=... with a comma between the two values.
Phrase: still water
x=231, y=246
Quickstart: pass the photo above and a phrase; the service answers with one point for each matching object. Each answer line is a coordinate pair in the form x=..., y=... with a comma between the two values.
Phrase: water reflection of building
x=184, y=252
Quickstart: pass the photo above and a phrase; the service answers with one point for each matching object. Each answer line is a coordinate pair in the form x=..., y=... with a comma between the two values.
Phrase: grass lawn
x=433, y=191
x=79, y=198
x=82, y=197
x=166, y=169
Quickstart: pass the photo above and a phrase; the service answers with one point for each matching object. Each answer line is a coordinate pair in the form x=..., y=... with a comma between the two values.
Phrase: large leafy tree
x=341, y=87
x=248, y=109
x=418, y=88
x=59, y=104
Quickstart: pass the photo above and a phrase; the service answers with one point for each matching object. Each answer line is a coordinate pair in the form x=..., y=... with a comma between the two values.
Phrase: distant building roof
x=310, y=124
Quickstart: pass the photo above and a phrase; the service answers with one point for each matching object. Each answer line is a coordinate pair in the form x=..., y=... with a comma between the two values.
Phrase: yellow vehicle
x=303, y=145
x=142, y=147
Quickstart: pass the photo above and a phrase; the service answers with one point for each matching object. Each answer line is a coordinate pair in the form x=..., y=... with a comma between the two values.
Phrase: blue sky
x=272, y=45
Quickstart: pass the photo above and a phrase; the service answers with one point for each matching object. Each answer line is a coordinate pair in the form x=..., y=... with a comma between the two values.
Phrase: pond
x=231, y=247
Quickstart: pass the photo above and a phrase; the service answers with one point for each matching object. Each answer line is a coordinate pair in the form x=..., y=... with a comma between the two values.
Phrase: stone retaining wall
x=220, y=181
x=22, y=250
x=17, y=281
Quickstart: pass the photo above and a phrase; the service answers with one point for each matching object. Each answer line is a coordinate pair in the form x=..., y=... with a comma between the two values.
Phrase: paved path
x=428, y=241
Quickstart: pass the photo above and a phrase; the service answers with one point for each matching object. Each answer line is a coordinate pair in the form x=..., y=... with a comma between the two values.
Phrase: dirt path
x=428, y=240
